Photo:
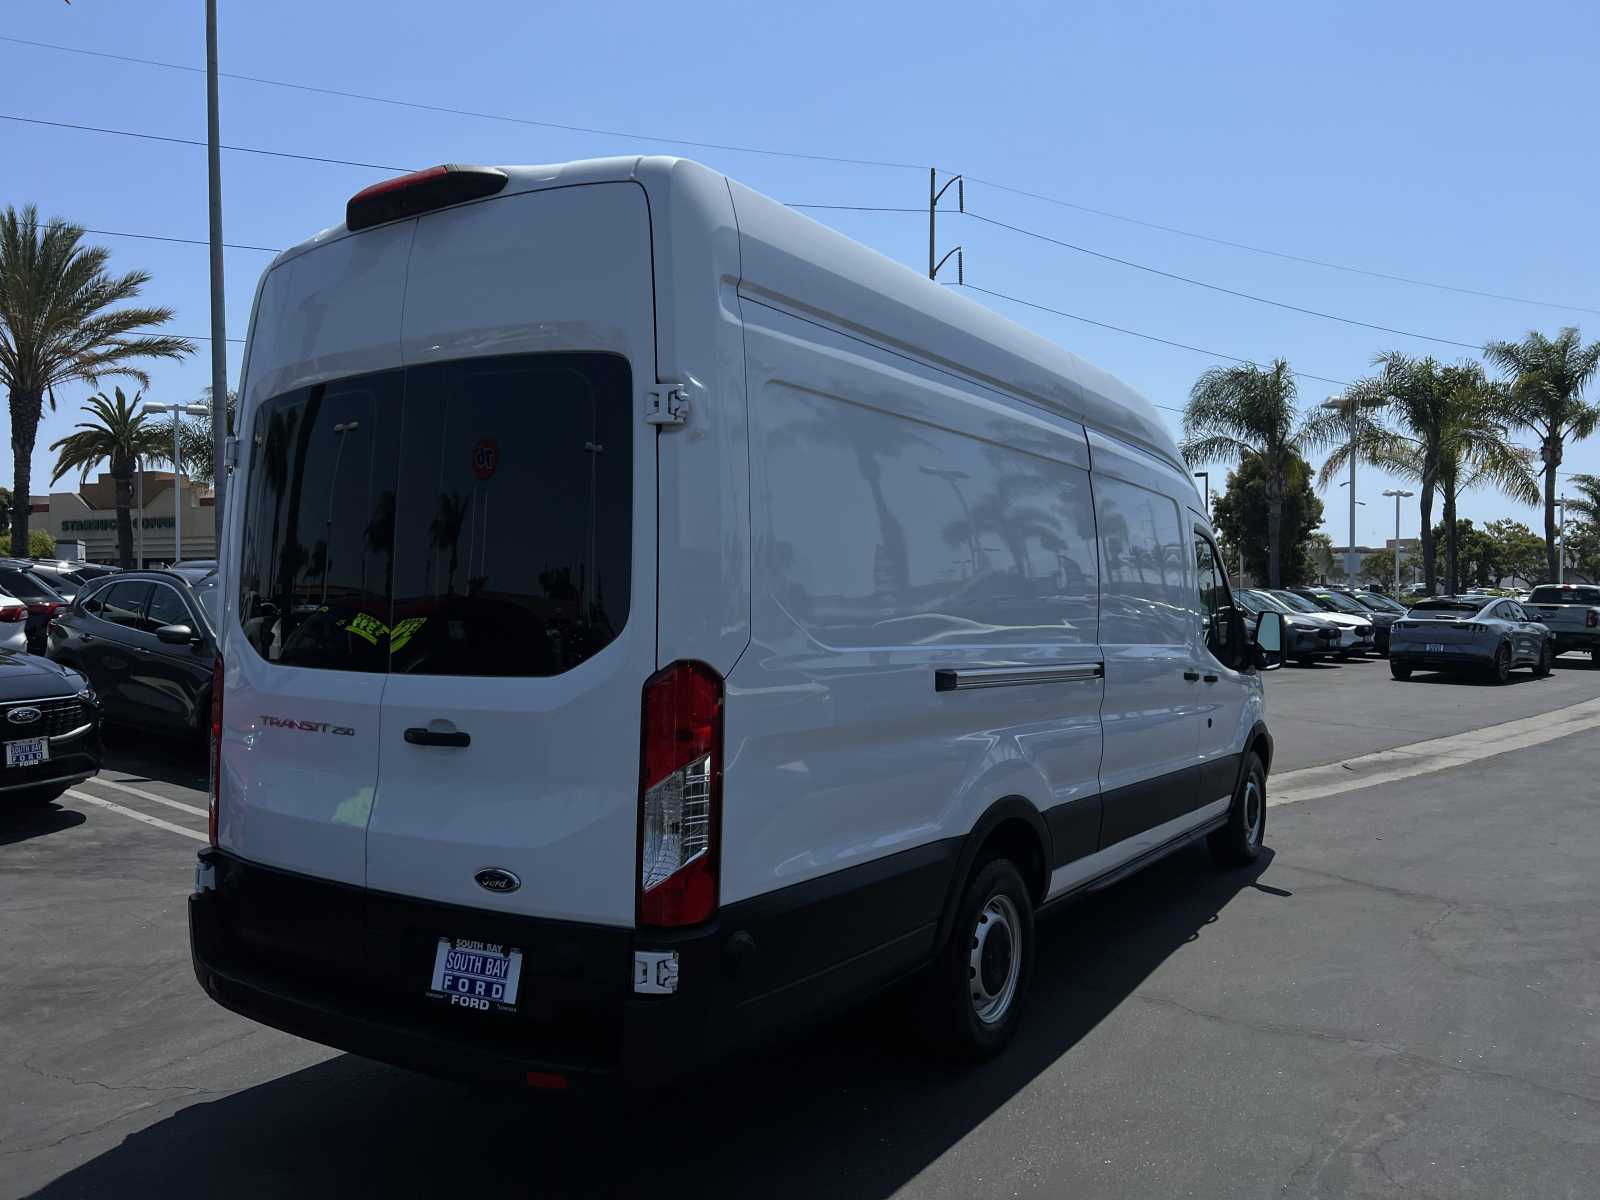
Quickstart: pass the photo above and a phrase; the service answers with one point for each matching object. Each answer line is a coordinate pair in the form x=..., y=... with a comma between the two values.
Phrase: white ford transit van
x=651, y=617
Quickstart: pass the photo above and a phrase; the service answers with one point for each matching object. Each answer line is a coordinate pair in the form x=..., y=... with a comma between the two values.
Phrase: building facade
x=89, y=516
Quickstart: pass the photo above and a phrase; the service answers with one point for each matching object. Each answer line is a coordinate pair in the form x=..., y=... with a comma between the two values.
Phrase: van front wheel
x=981, y=976
x=1238, y=843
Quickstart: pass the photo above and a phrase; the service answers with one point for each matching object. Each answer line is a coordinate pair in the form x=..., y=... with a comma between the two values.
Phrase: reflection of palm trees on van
x=379, y=536
x=445, y=530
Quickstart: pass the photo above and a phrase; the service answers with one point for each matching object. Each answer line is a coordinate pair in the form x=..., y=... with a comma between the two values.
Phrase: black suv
x=49, y=727
x=147, y=642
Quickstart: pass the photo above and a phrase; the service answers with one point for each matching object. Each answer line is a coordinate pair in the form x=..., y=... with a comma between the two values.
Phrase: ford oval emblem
x=23, y=716
x=496, y=879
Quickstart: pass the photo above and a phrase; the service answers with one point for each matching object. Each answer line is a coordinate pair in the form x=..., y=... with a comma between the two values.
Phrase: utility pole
x=935, y=193
x=1561, y=541
x=1206, y=475
x=219, y=322
x=1398, y=496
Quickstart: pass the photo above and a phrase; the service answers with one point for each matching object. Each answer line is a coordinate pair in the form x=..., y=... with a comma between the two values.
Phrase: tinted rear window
x=1563, y=595
x=1445, y=608
x=464, y=518
x=25, y=585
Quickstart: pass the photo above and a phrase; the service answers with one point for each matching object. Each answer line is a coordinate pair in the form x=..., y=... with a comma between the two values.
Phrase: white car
x=1362, y=637
x=654, y=618
x=13, y=624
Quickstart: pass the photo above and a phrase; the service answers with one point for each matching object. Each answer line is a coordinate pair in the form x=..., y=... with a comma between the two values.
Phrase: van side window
x=1144, y=597
x=1216, y=605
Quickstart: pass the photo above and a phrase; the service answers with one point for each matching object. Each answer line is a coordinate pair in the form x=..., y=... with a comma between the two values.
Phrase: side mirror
x=1268, y=643
x=176, y=635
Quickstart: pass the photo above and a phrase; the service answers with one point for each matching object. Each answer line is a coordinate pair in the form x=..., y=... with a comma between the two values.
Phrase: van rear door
x=524, y=578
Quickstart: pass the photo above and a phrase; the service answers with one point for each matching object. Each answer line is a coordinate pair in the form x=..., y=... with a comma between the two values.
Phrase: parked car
x=1380, y=603
x=1571, y=611
x=13, y=624
x=570, y=742
x=1342, y=600
x=1479, y=633
x=63, y=577
x=1360, y=627
x=18, y=578
x=1305, y=638
x=50, y=727
x=146, y=641
x=195, y=568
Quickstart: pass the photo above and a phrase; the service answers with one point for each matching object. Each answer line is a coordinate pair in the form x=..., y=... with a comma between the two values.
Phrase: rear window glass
x=1446, y=608
x=25, y=585
x=463, y=518
x=1565, y=595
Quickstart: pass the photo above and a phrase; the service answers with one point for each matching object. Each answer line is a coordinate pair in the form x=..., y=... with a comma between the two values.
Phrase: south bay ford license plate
x=479, y=975
x=29, y=752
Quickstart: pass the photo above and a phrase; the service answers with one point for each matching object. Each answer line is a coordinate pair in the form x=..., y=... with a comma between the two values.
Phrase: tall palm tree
x=61, y=323
x=1548, y=378
x=1586, y=504
x=119, y=432
x=1235, y=413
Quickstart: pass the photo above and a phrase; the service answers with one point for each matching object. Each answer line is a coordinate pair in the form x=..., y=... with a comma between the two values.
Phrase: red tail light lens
x=680, y=796
x=216, y=748
x=1592, y=619
x=14, y=612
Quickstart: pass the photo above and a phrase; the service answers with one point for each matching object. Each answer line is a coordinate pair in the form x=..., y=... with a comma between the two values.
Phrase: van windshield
x=461, y=518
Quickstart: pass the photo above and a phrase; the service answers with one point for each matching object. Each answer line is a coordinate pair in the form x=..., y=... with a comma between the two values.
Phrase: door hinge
x=230, y=453
x=669, y=404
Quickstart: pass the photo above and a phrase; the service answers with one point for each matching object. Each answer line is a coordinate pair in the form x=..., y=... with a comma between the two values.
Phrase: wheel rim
x=1254, y=812
x=995, y=962
x=1502, y=662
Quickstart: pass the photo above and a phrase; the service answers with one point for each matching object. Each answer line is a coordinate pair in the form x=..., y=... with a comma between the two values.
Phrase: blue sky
x=1445, y=142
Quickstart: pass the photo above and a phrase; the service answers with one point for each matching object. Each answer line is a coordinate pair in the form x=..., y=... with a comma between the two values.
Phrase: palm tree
x=1586, y=504
x=1235, y=413
x=1548, y=378
x=195, y=444
x=59, y=324
x=120, y=433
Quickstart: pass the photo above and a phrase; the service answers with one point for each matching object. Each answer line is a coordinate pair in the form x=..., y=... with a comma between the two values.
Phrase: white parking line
x=144, y=795
x=1437, y=754
x=137, y=816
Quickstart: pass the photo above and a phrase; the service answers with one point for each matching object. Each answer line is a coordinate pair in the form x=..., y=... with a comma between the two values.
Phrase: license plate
x=29, y=752
x=1434, y=648
x=480, y=975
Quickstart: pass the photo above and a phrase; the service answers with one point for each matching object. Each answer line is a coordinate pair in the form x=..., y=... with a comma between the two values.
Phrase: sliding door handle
x=1192, y=676
x=1210, y=678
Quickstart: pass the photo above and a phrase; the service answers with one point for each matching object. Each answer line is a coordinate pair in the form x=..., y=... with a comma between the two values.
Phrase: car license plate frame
x=28, y=752
x=1433, y=648
x=482, y=976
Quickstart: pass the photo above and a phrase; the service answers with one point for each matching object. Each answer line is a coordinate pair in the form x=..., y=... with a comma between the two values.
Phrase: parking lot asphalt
x=1401, y=999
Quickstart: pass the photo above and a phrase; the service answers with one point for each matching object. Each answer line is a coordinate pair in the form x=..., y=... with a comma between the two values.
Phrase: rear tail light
x=14, y=612
x=216, y=748
x=1592, y=618
x=420, y=192
x=680, y=795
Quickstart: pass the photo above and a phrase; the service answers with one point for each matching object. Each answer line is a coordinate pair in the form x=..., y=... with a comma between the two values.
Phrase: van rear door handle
x=417, y=736
x=1191, y=676
x=1210, y=678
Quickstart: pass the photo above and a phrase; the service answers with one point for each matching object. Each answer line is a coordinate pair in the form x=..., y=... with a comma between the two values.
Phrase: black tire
x=37, y=797
x=1305, y=660
x=1239, y=842
x=1399, y=670
x=1500, y=670
x=1546, y=663
x=959, y=1022
x=1344, y=655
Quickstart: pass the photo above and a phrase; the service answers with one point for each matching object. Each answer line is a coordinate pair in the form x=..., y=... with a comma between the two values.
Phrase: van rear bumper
x=348, y=968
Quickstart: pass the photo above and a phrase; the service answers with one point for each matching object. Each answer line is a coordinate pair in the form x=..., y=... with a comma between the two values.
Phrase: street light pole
x=219, y=323
x=1561, y=541
x=1206, y=475
x=1398, y=496
x=1350, y=407
x=194, y=410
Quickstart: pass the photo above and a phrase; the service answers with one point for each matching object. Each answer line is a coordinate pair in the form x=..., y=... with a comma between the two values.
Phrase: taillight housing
x=14, y=612
x=216, y=748
x=1592, y=618
x=680, y=796
x=420, y=192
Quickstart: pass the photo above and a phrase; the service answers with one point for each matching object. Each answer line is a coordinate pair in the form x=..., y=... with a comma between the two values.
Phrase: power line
x=178, y=141
x=1149, y=337
x=1217, y=287
x=777, y=153
x=1299, y=258
x=148, y=237
x=465, y=112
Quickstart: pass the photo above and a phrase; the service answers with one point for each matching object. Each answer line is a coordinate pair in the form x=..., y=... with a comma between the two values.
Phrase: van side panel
x=903, y=522
x=294, y=794
x=704, y=465
x=1148, y=619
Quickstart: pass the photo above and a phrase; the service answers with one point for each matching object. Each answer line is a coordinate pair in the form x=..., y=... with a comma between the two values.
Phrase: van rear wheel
x=981, y=976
